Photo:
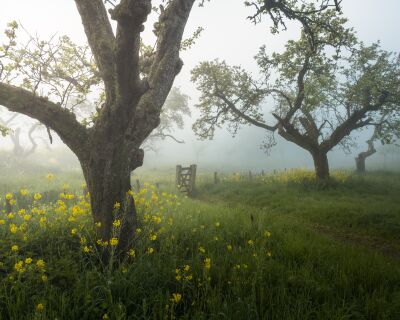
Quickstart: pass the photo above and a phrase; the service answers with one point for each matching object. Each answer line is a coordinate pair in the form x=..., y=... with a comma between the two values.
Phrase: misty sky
x=229, y=36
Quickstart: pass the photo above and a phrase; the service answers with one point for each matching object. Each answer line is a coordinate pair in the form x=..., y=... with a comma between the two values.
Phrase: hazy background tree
x=173, y=113
x=324, y=86
x=386, y=131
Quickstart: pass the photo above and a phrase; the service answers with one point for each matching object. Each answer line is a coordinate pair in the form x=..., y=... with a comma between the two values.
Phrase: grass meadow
x=277, y=246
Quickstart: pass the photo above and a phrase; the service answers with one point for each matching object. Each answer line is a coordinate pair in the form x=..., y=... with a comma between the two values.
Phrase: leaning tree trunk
x=321, y=165
x=360, y=159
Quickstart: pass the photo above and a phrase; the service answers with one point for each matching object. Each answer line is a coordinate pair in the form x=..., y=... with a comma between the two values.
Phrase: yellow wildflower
x=40, y=307
x=24, y=192
x=176, y=297
x=40, y=264
x=113, y=241
x=250, y=242
x=150, y=250
x=229, y=247
x=74, y=231
x=2, y=222
x=153, y=237
x=267, y=233
x=37, y=196
x=50, y=176
x=9, y=196
x=202, y=250
x=117, y=205
x=44, y=278
x=189, y=277
x=14, y=248
x=207, y=263
x=19, y=266
x=117, y=223
x=131, y=253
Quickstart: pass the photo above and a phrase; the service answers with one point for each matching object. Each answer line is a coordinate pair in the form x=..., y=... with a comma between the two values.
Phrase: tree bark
x=360, y=159
x=107, y=169
x=360, y=164
x=321, y=165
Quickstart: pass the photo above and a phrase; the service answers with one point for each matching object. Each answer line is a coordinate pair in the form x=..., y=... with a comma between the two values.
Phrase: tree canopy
x=324, y=86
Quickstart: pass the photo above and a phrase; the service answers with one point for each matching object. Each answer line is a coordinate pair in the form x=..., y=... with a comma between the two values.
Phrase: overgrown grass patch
x=238, y=256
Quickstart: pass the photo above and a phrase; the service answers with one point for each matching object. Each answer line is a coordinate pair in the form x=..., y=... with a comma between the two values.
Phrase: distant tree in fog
x=324, y=86
x=386, y=131
x=175, y=109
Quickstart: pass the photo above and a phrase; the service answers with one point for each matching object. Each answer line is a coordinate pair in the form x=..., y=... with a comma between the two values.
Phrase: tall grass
x=242, y=254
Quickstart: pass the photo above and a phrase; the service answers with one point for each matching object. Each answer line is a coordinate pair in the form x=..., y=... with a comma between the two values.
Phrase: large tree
x=135, y=80
x=135, y=88
x=324, y=86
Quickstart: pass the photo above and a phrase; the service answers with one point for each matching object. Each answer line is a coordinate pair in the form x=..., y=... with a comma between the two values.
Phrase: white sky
x=227, y=35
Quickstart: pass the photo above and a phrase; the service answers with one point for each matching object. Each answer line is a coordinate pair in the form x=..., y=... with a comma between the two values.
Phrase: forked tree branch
x=165, y=66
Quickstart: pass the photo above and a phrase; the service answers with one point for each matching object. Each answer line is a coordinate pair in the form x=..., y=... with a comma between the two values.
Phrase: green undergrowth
x=368, y=205
x=247, y=252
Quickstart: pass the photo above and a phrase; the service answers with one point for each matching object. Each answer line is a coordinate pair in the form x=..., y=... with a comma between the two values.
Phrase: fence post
x=215, y=177
x=262, y=172
x=137, y=185
x=178, y=175
x=250, y=175
x=193, y=168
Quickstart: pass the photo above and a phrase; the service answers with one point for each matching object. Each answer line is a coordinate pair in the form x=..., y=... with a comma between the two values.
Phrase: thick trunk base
x=360, y=164
x=321, y=166
x=108, y=182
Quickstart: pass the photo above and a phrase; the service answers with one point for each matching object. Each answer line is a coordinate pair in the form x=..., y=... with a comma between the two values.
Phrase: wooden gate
x=185, y=178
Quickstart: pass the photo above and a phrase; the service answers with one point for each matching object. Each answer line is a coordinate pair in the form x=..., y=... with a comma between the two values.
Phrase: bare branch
x=244, y=116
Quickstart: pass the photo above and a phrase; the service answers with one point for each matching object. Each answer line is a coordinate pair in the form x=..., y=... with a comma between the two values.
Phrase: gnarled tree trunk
x=321, y=165
x=360, y=159
x=107, y=169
